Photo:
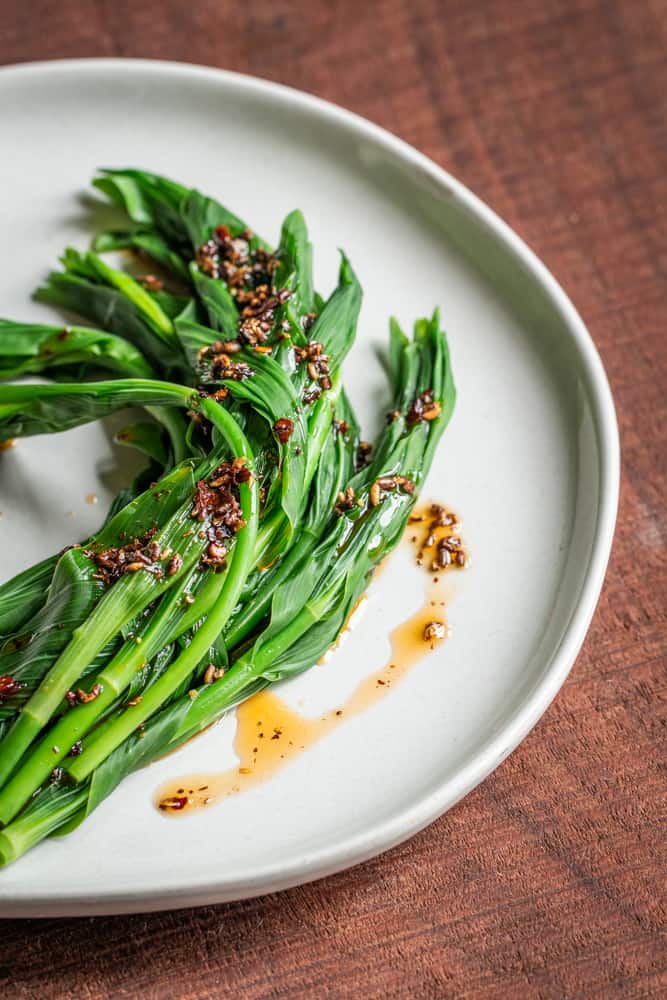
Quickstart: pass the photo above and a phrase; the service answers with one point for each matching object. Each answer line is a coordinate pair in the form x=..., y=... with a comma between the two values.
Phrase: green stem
x=254, y=610
x=77, y=722
x=138, y=296
x=117, y=606
x=213, y=699
x=204, y=599
x=319, y=426
x=173, y=423
x=241, y=562
x=32, y=827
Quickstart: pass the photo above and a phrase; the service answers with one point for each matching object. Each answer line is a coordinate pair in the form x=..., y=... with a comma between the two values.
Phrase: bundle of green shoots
x=236, y=556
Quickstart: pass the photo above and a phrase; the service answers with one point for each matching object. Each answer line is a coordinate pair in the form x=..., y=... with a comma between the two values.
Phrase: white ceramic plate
x=530, y=461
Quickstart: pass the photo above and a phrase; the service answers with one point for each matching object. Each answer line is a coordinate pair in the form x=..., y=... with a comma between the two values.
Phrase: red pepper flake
x=283, y=429
x=173, y=803
x=8, y=686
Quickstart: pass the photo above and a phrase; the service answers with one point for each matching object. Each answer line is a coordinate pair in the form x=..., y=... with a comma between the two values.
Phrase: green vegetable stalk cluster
x=236, y=556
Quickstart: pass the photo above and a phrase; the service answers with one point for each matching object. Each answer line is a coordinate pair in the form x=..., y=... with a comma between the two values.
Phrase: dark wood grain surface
x=548, y=881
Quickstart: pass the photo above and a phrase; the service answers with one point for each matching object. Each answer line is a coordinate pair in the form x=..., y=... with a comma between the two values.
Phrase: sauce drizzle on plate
x=270, y=733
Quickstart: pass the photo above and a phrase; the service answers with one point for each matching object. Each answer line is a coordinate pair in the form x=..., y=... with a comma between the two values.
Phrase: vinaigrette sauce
x=269, y=733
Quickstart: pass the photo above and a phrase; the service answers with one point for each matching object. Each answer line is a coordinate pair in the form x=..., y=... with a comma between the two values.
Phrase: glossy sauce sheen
x=269, y=733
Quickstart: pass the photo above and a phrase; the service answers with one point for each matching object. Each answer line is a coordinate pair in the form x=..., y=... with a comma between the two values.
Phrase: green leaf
x=218, y=302
x=193, y=336
x=272, y=395
x=42, y=409
x=109, y=308
x=201, y=215
x=21, y=596
x=145, y=241
x=73, y=591
x=147, y=199
x=336, y=325
x=295, y=257
x=33, y=349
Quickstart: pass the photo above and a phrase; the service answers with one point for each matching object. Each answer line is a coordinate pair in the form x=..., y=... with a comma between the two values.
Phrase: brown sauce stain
x=269, y=733
x=6, y=445
x=91, y=498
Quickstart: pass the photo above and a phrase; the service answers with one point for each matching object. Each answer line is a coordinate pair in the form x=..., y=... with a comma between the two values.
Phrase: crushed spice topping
x=213, y=673
x=216, y=501
x=364, y=451
x=424, y=407
x=81, y=697
x=389, y=484
x=434, y=631
x=441, y=546
x=259, y=311
x=231, y=257
x=248, y=273
x=218, y=395
x=317, y=362
x=223, y=367
x=311, y=395
x=345, y=501
x=139, y=554
x=174, y=564
x=220, y=347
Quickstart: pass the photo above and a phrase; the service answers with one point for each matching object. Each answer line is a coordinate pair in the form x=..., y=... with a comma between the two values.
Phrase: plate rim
x=386, y=833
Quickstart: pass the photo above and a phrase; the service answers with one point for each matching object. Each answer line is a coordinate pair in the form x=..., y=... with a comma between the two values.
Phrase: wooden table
x=545, y=881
